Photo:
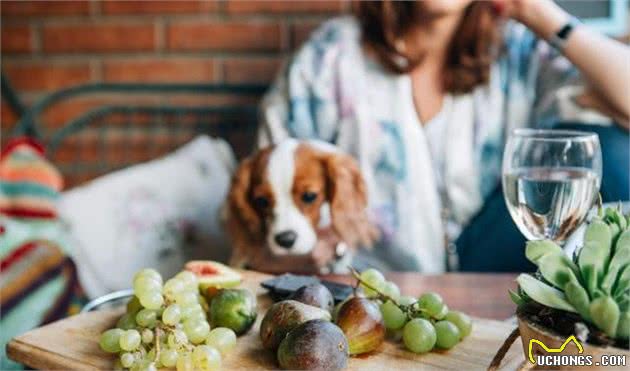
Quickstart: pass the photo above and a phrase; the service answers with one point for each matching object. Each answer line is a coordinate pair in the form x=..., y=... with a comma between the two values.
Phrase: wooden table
x=482, y=295
x=72, y=343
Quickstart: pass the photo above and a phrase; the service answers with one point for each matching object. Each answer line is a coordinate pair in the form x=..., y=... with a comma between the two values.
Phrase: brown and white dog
x=283, y=194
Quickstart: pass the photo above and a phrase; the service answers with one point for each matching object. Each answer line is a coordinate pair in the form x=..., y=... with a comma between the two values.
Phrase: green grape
x=196, y=330
x=447, y=334
x=393, y=316
x=172, y=287
x=185, y=362
x=373, y=278
x=188, y=278
x=148, y=366
x=222, y=338
x=109, y=340
x=443, y=312
x=168, y=357
x=147, y=336
x=419, y=335
x=149, y=273
x=186, y=298
x=406, y=300
x=146, y=285
x=129, y=340
x=127, y=321
x=150, y=355
x=152, y=300
x=431, y=303
x=133, y=305
x=189, y=311
x=177, y=339
x=390, y=289
x=127, y=360
x=198, y=315
x=461, y=320
x=206, y=357
x=171, y=315
x=146, y=318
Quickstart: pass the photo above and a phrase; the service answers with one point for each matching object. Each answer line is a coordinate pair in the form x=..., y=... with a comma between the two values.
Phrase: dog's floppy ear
x=348, y=200
x=242, y=222
x=239, y=204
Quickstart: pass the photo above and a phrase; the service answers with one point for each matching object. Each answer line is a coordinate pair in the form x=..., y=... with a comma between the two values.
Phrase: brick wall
x=54, y=44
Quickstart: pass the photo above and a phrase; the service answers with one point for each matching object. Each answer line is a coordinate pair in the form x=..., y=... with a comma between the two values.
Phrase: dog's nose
x=285, y=239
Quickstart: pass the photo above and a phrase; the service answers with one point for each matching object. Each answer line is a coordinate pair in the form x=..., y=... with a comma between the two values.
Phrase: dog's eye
x=309, y=197
x=261, y=202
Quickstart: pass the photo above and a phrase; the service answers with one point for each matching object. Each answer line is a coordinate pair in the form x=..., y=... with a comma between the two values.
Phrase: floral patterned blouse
x=332, y=91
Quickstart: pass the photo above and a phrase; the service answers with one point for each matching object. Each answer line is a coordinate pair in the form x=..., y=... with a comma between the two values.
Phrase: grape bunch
x=424, y=323
x=165, y=325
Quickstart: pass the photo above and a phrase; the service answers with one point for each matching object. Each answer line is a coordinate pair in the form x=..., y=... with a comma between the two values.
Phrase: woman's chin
x=439, y=8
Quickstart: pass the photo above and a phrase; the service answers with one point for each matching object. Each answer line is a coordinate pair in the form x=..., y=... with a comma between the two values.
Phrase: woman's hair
x=470, y=54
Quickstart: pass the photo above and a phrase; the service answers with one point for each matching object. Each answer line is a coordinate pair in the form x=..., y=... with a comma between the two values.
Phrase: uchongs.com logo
x=554, y=357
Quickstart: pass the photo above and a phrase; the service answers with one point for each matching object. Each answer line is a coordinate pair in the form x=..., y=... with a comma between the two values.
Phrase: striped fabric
x=38, y=280
x=29, y=184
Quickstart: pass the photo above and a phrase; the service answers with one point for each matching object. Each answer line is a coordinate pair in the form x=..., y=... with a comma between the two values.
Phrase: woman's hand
x=544, y=17
x=602, y=61
x=313, y=263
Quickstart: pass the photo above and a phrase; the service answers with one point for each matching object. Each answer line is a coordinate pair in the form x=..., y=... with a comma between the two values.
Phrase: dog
x=283, y=194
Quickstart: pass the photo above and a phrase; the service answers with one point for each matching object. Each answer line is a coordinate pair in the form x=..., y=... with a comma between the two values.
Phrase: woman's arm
x=604, y=62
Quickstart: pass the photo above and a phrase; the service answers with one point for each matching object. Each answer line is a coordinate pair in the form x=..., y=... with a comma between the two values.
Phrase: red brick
x=44, y=8
x=8, y=117
x=46, y=76
x=251, y=36
x=301, y=31
x=162, y=70
x=282, y=7
x=158, y=7
x=60, y=113
x=98, y=38
x=16, y=39
x=251, y=70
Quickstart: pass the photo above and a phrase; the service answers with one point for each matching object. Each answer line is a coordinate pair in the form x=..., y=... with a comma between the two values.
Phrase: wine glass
x=551, y=180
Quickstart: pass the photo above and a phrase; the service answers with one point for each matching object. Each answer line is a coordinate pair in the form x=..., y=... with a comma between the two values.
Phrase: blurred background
x=51, y=45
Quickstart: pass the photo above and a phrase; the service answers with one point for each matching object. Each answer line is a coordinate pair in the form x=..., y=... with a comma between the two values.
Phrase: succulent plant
x=595, y=283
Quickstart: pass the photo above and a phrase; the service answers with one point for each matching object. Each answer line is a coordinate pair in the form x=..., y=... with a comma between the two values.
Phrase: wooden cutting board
x=72, y=343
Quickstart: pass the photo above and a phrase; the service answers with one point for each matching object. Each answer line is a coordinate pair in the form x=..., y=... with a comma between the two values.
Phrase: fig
x=213, y=275
x=362, y=322
x=314, y=345
x=283, y=317
x=234, y=309
x=316, y=295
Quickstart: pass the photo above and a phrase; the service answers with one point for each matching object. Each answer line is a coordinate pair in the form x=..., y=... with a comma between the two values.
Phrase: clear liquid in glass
x=549, y=202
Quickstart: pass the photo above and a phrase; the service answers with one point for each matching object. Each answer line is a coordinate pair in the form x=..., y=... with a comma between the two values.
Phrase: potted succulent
x=586, y=296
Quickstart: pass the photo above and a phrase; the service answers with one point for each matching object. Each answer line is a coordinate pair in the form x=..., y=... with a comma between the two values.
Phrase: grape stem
x=410, y=309
x=158, y=332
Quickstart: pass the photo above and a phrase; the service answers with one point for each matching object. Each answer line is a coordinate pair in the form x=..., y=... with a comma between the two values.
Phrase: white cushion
x=158, y=214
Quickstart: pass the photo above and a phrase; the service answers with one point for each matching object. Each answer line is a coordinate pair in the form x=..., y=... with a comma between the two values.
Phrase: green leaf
x=620, y=259
x=589, y=277
x=578, y=297
x=605, y=314
x=516, y=298
x=623, y=301
x=623, y=282
x=558, y=269
x=543, y=293
x=622, y=222
x=598, y=232
x=535, y=250
x=623, y=328
x=623, y=242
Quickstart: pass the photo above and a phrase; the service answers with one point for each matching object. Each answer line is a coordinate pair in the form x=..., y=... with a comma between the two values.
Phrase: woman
x=423, y=94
